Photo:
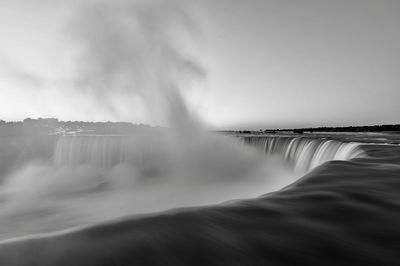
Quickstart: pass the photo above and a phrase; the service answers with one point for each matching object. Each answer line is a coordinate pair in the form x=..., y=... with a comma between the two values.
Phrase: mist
x=137, y=49
x=135, y=52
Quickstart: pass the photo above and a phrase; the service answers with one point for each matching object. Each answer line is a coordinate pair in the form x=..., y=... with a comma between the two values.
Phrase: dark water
x=340, y=213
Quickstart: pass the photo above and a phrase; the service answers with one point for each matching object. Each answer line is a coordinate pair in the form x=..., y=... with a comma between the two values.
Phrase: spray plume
x=138, y=49
x=135, y=50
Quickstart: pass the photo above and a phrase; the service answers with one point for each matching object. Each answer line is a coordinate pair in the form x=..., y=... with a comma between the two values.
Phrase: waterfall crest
x=305, y=153
x=104, y=151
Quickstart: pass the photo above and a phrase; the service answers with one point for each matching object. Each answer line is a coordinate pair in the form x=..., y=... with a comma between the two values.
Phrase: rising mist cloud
x=136, y=49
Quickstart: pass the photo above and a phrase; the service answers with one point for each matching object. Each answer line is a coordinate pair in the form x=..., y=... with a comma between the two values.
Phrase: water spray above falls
x=138, y=51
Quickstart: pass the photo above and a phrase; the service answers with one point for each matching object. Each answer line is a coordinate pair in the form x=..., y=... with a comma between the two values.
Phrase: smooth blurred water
x=302, y=153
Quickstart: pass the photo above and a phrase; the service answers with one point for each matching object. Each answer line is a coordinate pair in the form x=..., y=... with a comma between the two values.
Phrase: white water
x=103, y=151
x=302, y=153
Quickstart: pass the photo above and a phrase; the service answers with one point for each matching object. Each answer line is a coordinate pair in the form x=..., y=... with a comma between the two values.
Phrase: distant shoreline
x=52, y=123
x=395, y=128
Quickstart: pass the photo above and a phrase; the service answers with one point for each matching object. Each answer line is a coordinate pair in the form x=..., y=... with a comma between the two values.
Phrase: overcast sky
x=269, y=63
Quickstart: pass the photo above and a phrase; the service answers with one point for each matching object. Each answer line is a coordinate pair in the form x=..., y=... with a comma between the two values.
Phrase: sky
x=268, y=63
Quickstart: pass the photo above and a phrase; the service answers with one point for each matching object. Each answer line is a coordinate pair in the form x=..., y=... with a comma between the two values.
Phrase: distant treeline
x=53, y=125
x=375, y=128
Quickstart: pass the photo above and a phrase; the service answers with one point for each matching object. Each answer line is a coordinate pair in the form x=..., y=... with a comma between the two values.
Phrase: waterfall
x=105, y=151
x=102, y=151
x=305, y=153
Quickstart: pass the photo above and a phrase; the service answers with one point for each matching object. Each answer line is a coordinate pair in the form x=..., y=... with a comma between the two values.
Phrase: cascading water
x=102, y=151
x=304, y=154
x=300, y=153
